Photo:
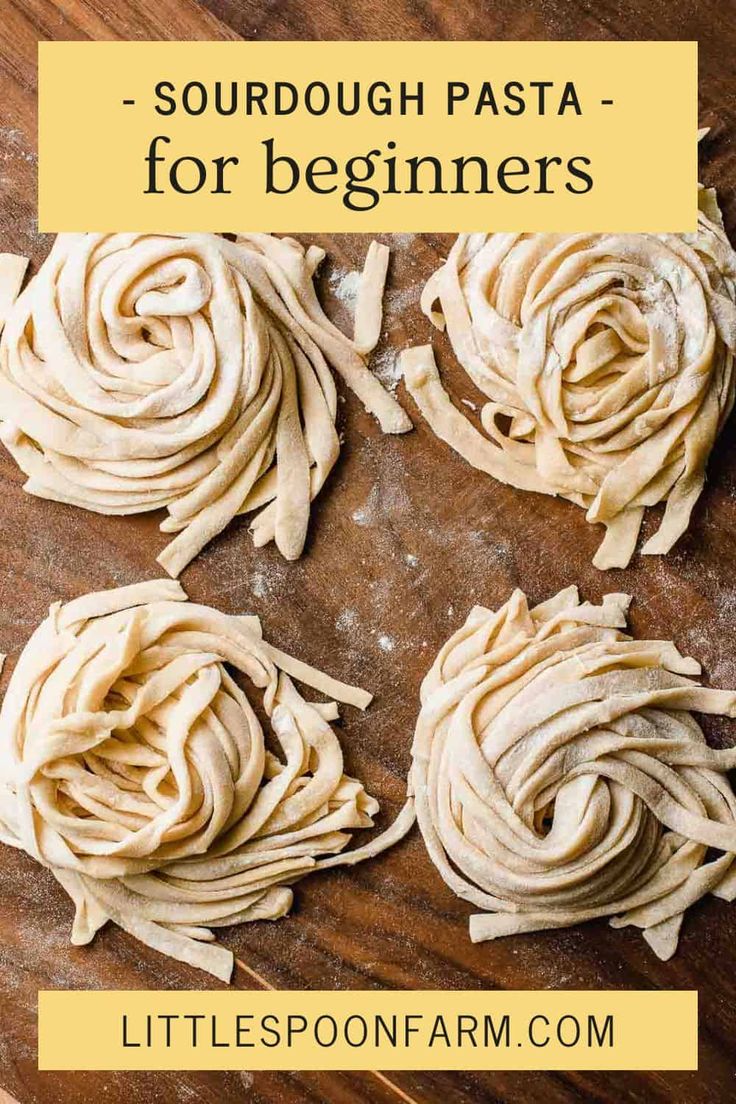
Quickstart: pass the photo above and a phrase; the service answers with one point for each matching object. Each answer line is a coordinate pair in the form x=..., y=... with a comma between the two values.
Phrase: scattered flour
x=13, y=146
x=259, y=584
x=386, y=643
x=346, y=620
x=384, y=501
x=411, y=559
x=345, y=285
x=366, y=514
x=398, y=300
x=387, y=366
x=402, y=241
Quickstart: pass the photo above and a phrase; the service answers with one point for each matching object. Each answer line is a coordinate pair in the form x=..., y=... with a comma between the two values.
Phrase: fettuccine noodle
x=187, y=372
x=606, y=362
x=559, y=775
x=133, y=766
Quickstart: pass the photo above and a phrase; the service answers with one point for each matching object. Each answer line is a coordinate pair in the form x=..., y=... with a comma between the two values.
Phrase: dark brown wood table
x=404, y=539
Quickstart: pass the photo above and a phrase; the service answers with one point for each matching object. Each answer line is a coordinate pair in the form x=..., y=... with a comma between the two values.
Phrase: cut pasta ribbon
x=606, y=361
x=187, y=372
x=133, y=766
x=559, y=775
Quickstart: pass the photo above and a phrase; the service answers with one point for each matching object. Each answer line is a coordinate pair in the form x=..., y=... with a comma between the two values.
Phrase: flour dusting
x=346, y=285
x=13, y=147
x=259, y=584
x=387, y=366
x=347, y=620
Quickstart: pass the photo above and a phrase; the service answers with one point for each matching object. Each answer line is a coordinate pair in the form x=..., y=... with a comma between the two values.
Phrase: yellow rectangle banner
x=365, y=1030
x=368, y=136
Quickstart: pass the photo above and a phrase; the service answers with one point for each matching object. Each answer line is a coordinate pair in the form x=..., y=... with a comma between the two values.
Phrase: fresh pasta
x=606, y=363
x=188, y=372
x=560, y=776
x=134, y=767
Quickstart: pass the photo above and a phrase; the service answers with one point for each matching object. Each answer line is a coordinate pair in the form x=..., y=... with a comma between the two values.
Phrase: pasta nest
x=135, y=768
x=606, y=363
x=559, y=775
x=183, y=371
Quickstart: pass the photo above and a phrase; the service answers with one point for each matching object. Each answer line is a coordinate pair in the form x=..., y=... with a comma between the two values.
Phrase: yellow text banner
x=368, y=136
x=359, y=1030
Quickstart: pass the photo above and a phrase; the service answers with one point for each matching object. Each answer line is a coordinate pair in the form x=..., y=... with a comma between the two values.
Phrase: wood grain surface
x=403, y=540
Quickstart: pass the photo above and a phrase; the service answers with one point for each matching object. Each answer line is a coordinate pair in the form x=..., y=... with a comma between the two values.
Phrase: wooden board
x=391, y=923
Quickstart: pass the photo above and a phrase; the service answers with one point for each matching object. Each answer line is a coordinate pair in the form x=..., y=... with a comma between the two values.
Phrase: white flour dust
x=345, y=286
x=347, y=620
x=387, y=366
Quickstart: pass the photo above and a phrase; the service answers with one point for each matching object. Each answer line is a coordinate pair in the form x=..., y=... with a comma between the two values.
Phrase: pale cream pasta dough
x=134, y=767
x=605, y=362
x=559, y=774
x=189, y=372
